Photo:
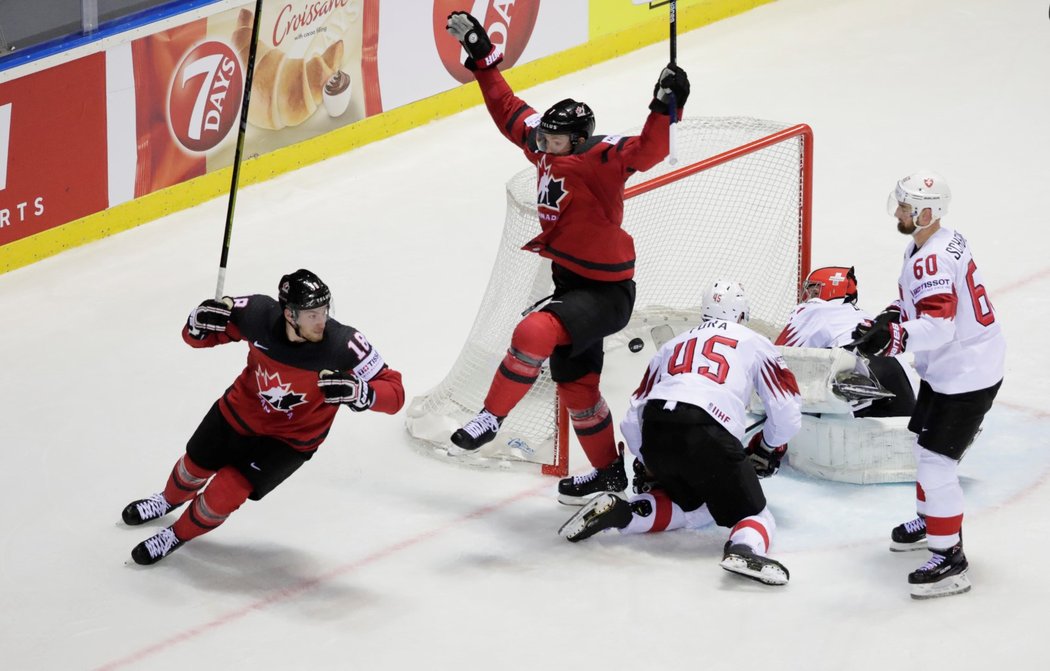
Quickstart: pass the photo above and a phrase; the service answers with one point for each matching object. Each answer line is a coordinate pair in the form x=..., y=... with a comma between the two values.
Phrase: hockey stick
x=755, y=425
x=672, y=130
x=232, y=203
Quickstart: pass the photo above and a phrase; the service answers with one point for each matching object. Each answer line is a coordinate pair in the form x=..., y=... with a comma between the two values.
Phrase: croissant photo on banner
x=315, y=71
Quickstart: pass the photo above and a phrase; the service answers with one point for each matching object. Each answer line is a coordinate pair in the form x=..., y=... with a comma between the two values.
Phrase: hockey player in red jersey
x=685, y=424
x=580, y=193
x=826, y=317
x=302, y=365
x=945, y=317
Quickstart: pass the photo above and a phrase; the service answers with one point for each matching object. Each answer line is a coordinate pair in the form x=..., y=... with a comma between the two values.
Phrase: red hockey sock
x=534, y=339
x=185, y=480
x=227, y=491
x=591, y=419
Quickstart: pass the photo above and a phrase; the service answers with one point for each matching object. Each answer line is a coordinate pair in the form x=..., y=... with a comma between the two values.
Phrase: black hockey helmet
x=302, y=290
x=569, y=117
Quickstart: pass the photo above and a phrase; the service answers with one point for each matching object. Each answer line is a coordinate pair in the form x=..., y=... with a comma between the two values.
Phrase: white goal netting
x=734, y=207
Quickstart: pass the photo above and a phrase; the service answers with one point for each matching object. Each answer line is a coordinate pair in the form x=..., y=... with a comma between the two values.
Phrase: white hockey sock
x=756, y=532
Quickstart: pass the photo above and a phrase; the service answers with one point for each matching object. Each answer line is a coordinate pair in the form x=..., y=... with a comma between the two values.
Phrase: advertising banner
x=52, y=147
x=315, y=71
x=418, y=59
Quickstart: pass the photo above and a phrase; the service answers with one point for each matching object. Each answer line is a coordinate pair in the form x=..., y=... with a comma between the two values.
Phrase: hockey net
x=736, y=206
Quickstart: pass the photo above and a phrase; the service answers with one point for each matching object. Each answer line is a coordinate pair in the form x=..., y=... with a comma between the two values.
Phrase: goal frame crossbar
x=560, y=467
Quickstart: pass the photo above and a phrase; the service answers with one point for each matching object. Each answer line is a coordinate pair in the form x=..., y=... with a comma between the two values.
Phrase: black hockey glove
x=481, y=55
x=672, y=81
x=643, y=481
x=339, y=387
x=211, y=316
x=883, y=336
x=765, y=458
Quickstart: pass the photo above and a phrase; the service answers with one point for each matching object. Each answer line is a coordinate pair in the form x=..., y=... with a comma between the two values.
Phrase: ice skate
x=943, y=574
x=578, y=489
x=156, y=547
x=909, y=536
x=144, y=510
x=475, y=433
x=605, y=511
x=740, y=559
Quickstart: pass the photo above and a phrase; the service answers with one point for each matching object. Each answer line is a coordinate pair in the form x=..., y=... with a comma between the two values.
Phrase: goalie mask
x=921, y=190
x=831, y=283
x=725, y=300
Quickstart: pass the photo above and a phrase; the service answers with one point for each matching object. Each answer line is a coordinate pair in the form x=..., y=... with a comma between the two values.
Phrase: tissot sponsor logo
x=205, y=96
x=509, y=24
x=930, y=284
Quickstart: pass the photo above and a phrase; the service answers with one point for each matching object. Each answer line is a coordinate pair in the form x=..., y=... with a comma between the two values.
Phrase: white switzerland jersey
x=820, y=323
x=716, y=366
x=951, y=324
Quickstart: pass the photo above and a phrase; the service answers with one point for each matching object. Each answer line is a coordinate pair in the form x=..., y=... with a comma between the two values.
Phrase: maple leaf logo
x=551, y=190
x=274, y=394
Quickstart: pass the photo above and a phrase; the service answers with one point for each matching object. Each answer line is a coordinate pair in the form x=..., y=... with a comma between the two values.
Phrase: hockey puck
x=636, y=345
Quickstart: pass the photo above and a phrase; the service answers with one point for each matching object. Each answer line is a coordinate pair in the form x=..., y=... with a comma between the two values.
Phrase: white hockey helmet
x=921, y=190
x=725, y=300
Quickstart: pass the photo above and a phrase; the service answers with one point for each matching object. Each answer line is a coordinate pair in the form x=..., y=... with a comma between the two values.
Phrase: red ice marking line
x=1024, y=281
x=291, y=592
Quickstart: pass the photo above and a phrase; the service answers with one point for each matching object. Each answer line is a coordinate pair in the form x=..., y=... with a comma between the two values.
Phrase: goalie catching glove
x=764, y=457
x=672, y=81
x=211, y=316
x=481, y=55
x=339, y=387
x=883, y=336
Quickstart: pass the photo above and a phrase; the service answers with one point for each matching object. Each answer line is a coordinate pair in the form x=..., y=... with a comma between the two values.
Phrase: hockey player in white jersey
x=945, y=317
x=685, y=423
x=827, y=311
x=826, y=316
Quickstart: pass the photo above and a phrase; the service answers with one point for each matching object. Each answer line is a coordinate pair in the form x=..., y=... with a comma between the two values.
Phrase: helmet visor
x=553, y=143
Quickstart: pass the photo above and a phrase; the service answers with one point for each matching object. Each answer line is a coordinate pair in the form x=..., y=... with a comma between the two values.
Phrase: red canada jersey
x=579, y=195
x=276, y=394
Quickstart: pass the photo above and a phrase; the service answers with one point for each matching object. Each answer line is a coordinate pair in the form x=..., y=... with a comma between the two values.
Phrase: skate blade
x=584, y=500
x=577, y=524
x=956, y=584
x=907, y=547
x=767, y=574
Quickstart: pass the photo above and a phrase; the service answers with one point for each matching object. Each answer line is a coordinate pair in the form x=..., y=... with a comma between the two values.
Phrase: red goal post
x=739, y=208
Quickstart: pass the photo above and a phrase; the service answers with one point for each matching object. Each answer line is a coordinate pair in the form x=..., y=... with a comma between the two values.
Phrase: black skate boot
x=909, y=536
x=156, y=547
x=605, y=511
x=578, y=489
x=144, y=510
x=477, y=431
x=740, y=559
x=943, y=574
